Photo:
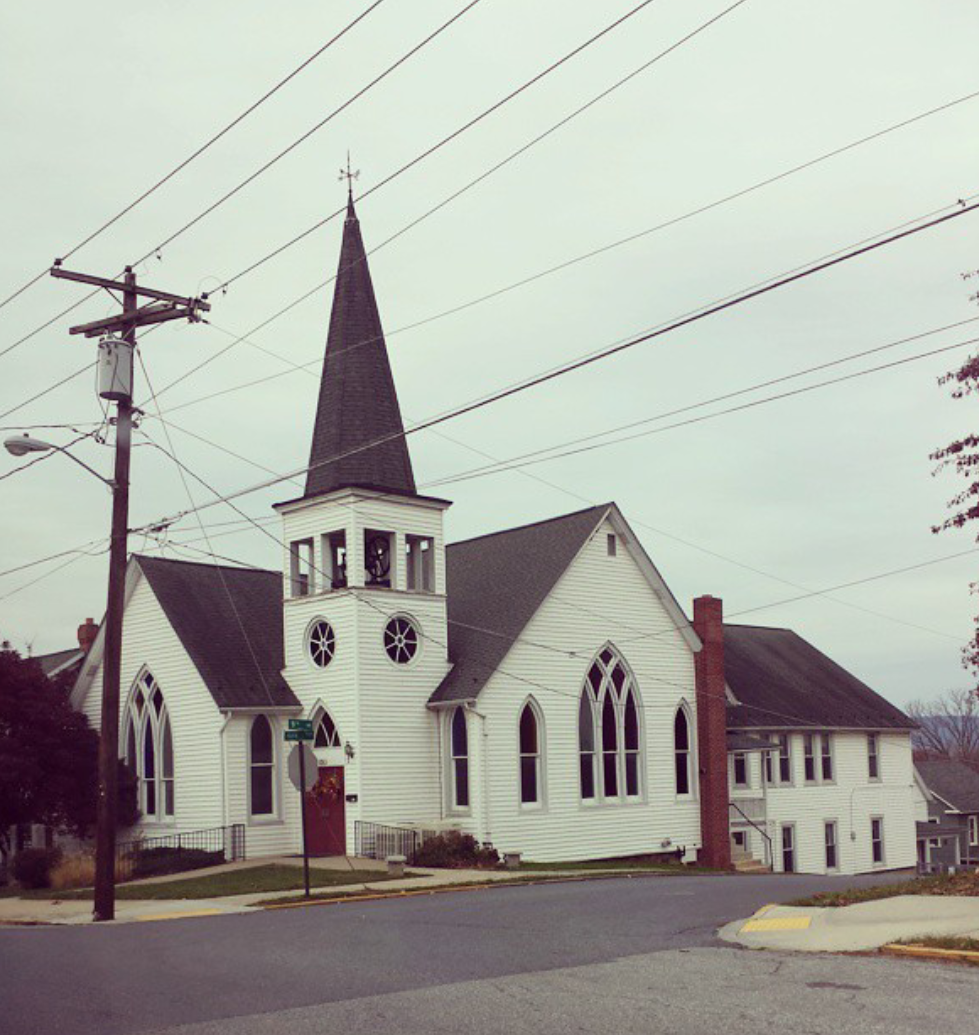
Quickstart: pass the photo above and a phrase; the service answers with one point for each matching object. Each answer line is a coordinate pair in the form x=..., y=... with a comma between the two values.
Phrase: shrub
x=156, y=862
x=32, y=866
x=454, y=850
x=76, y=870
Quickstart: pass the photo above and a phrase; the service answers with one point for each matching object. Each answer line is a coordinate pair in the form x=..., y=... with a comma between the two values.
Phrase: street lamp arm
x=81, y=463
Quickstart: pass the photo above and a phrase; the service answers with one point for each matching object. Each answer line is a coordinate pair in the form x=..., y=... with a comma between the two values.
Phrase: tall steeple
x=358, y=403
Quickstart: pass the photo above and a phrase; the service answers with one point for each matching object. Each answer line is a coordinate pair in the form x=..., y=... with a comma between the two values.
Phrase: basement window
x=301, y=568
x=334, y=547
x=420, y=561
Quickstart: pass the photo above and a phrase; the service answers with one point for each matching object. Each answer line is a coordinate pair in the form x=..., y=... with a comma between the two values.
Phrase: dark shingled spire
x=357, y=403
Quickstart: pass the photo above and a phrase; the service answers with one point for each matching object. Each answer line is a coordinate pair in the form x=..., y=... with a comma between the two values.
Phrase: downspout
x=224, y=770
x=487, y=837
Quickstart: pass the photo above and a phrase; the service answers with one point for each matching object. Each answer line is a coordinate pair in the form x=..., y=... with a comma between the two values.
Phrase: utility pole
x=116, y=383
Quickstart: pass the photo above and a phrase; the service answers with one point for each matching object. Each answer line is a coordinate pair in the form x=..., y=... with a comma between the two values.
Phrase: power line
x=305, y=136
x=425, y=154
x=445, y=140
x=479, y=118
x=196, y=154
x=13, y=409
x=600, y=354
x=542, y=273
x=227, y=590
x=517, y=462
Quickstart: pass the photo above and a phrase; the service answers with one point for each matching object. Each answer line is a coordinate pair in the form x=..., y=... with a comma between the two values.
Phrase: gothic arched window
x=148, y=744
x=262, y=767
x=326, y=733
x=609, y=731
x=681, y=750
x=531, y=755
x=459, y=744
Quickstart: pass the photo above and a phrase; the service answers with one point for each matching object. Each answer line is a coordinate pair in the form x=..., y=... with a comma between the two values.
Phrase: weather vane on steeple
x=349, y=175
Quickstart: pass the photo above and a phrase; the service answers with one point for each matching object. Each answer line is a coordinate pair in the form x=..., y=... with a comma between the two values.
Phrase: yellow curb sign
x=778, y=923
x=183, y=915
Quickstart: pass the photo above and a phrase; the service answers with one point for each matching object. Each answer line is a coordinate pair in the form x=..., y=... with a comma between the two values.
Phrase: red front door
x=326, y=830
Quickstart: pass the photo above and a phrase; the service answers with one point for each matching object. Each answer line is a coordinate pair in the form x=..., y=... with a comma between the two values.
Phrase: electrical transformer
x=115, y=369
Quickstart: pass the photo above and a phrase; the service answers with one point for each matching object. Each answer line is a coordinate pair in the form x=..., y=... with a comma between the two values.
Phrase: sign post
x=302, y=772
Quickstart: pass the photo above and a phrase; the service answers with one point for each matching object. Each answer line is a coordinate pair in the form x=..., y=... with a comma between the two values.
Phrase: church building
x=538, y=687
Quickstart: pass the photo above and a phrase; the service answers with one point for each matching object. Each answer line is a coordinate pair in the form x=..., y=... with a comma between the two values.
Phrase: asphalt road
x=610, y=956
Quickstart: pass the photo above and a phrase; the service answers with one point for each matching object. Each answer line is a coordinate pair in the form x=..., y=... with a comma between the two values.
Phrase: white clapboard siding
x=279, y=834
x=149, y=642
x=599, y=599
x=850, y=800
x=379, y=708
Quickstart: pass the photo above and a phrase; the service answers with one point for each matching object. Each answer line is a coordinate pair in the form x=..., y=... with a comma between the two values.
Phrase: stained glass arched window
x=148, y=741
x=531, y=747
x=609, y=731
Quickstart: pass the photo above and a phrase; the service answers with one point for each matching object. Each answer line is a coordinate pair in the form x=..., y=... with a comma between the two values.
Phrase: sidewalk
x=22, y=911
x=867, y=925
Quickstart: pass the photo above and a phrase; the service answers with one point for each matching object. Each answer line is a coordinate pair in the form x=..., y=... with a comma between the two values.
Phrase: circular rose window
x=401, y=640
x=322, y=642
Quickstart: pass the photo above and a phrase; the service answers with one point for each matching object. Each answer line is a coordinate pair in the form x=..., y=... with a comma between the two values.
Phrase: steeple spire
x=358, y=404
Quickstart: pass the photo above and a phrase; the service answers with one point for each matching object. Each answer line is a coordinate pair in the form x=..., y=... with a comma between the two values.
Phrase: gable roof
x=236, y=647
x=781, y=680
x=357, y=401
x=59, y=661
x=497, y=582
x=953, y=781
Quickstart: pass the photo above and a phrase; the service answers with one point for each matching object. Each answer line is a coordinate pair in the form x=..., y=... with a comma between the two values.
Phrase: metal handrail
x=769, y=854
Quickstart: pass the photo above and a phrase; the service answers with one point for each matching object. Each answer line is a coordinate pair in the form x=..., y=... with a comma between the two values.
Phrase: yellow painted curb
x=764, y=909
x=778, y=923
x=925, y=952
x=183, y=915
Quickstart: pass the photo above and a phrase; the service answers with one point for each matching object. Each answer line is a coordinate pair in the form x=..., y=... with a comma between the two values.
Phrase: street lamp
x=21, y=445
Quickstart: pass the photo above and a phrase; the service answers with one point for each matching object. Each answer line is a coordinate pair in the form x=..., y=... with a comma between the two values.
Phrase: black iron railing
x=177, y=853
x=769, y=853
x=378, y=841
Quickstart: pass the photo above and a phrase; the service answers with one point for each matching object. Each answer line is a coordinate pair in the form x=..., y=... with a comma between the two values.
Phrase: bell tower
x=364, y=609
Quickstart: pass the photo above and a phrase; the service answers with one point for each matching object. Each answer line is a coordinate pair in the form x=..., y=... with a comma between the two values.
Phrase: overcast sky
x=101, y=99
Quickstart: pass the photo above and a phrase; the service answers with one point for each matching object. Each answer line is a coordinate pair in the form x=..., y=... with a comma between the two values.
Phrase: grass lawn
x=959, y=884
x=960, y=944
x=247, y=880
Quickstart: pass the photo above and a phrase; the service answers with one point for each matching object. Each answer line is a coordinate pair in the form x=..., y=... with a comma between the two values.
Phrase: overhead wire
x=465, y=127
x=197, y=153
x=558, y=451
x=596, y=356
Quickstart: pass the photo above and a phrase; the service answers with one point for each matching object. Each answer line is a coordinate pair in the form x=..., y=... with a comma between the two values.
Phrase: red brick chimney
x=708, y=623
x=87, y=634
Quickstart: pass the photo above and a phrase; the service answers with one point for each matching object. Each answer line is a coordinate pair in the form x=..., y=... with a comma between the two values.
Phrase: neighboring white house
x=539, y=687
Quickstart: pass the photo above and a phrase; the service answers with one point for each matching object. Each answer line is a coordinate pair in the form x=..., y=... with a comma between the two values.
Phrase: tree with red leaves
x=962, y=456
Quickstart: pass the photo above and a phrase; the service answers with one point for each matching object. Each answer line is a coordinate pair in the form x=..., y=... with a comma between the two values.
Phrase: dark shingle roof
x=236, y=647
x=952, y=781
x=51, y=663
x=497, y=582
x=781, y=680
x=357, y=402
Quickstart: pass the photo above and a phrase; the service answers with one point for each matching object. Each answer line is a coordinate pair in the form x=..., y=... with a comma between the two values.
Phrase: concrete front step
x=748, y=864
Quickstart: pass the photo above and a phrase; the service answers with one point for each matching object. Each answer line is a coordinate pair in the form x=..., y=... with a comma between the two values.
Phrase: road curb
x=451, y=888
x=925, y=952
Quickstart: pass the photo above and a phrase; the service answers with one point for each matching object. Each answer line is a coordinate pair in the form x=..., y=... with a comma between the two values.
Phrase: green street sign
x=299, y=734
x=301, y=724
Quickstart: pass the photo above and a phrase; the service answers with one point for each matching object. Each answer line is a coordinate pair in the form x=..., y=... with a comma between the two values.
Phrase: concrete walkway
x=864, y=926
x=79, y=911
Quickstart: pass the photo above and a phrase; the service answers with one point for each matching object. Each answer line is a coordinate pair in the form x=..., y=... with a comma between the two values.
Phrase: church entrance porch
x=326, y=831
